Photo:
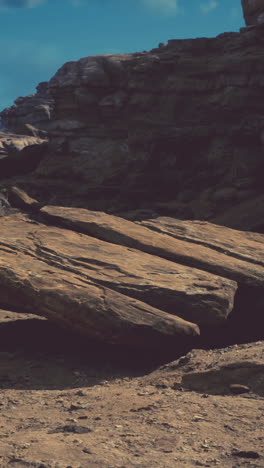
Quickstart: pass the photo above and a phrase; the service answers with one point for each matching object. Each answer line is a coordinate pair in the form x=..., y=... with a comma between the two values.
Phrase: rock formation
x=145, y=285
x=177, y=130
x=253, y=11
x=239, y=369
x=30, y=115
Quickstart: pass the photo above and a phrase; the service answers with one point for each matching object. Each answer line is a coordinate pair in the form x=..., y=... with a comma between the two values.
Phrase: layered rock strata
x=177, y=130
x=120, y=282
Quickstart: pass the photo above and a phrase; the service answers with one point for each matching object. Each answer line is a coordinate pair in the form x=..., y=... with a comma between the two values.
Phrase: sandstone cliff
x=178, y=131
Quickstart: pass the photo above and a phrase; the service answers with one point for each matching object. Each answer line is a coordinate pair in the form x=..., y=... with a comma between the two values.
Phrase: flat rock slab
x=245, y=246
x=222, y=251
x=88, y=262
x=34, y=279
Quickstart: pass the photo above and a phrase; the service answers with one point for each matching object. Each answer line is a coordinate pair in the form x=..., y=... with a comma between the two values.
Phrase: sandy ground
x=64, y=405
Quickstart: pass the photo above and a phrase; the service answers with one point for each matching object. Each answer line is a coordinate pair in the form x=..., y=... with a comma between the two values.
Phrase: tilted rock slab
x=222, y=251
x=104, y=290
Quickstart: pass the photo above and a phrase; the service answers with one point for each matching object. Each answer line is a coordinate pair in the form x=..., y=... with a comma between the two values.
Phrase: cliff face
x=178, y=130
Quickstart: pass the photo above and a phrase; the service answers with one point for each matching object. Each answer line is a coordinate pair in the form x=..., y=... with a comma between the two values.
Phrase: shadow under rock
x=38, y=354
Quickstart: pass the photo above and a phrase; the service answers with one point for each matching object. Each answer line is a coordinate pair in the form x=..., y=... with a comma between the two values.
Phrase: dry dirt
x=64, y=404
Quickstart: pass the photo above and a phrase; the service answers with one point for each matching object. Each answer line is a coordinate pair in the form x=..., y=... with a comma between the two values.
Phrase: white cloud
x=165, y=6
x=209, y=6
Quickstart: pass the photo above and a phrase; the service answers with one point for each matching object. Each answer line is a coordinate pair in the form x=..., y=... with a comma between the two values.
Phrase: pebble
x=88, y=451
x=238, y=389
x=246, y=454
x=80, y=393
x=71, y=428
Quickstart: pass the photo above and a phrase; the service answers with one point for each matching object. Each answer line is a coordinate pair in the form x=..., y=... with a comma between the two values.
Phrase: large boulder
x=220, y=250
x=190, y=293
x=123, y=282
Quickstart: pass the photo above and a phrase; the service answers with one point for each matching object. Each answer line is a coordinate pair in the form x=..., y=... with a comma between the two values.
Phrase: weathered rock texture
x=253, y=11
x=122, y=282
x=30, y=115
x=178, y=130
x=215, y=372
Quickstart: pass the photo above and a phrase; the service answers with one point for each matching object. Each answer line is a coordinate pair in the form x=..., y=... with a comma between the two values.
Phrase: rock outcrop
x=178, y=130
x=126, y=283
x=253, y=11
x=30, y=115
x=20, y=154
x=237, y=369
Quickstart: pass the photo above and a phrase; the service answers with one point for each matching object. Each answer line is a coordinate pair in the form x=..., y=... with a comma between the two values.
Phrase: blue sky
x=38, y=36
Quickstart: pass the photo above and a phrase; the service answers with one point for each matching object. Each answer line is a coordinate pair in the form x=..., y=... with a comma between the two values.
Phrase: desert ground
x=66, y=403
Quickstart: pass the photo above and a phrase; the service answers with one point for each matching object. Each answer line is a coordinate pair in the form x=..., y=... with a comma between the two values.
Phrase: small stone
x=88, y=451
x=238, y=389
x=246, y=454
x=198, y=418
x=71, y=428
x=76, y=407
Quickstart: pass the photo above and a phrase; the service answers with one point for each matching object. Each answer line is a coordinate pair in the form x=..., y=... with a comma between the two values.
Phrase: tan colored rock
x=18, y=198
x=222, y=251
x=240, y=245
x=215, y=371
x=194, y=295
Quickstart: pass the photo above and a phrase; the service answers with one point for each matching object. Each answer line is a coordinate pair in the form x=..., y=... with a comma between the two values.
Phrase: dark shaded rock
x=246, y=454
x=20, y=199
x=20, y=154
x=247, y=215
x=72, y=429
x=253, y=11
x=31, y=114
x=125, y=129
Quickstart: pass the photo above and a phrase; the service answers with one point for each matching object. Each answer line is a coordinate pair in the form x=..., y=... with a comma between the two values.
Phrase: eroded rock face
x=177, y=130
x=20, y=154
x=30, y=115
x=253, y=11
x=126, y=283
